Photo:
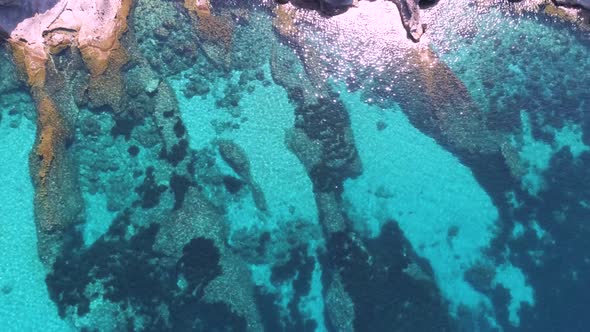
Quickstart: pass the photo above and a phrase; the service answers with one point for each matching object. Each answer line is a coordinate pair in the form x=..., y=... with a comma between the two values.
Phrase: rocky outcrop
x=410, y=14
x=444, y=108
x=237, y=159
x=408, y=9
x=95, y=31
x=581, y=3
x=54, y=173
x=215, y=32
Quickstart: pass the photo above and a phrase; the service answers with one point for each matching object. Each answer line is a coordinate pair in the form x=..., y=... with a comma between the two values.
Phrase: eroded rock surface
x=95, y=32
x=581, y=3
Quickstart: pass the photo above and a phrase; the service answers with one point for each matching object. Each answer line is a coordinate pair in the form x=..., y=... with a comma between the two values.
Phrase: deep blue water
x=333, y=177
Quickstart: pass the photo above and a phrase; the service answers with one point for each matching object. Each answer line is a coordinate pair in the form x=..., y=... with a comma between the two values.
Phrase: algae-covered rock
x=235, y=157
x=9, y=79
x=165, y=36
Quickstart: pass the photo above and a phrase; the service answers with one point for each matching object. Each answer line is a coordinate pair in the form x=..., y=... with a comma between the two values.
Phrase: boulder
x=581, y=3
x=410, y=15
x=13, y=12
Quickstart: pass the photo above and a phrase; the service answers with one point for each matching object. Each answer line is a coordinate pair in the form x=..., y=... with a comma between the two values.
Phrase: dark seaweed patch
x=192, y=164
x=132, y=274
x=179, y=185
x=133, y=150
x=327, y=122
x=385, y=297
x=123, y=127
x=199, y=263
x=149, y=191
x=263, y=241
x=125, y=266
x=120, y=263
x=176, y=154
x=561, y=294
x=269, y=311
x=179, y=129
x=232, y=184
x=67, y=281
x=299, y=269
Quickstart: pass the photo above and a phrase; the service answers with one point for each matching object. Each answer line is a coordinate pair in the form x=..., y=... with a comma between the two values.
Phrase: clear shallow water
x=24, y=303
x=316, y=182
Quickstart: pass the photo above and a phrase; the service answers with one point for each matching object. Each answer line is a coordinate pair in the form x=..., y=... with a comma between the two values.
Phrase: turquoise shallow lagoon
x=451, y=220
x=249, y=166
x=24, y=299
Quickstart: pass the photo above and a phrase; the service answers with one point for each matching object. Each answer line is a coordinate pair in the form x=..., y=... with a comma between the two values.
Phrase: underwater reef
x=209, y=165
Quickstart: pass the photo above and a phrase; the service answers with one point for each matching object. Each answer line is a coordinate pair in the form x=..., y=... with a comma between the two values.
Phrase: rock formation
x=95, y=32
x=580, y=3
x=409, y=12
x=215, y=32
x=410, y=15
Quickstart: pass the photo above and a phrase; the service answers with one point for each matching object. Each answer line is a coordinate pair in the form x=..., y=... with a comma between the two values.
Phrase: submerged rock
x=367, y=273
x=235, y=157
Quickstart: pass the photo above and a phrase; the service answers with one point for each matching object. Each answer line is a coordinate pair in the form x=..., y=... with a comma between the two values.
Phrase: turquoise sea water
x=441, y=187
x=24, y=303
